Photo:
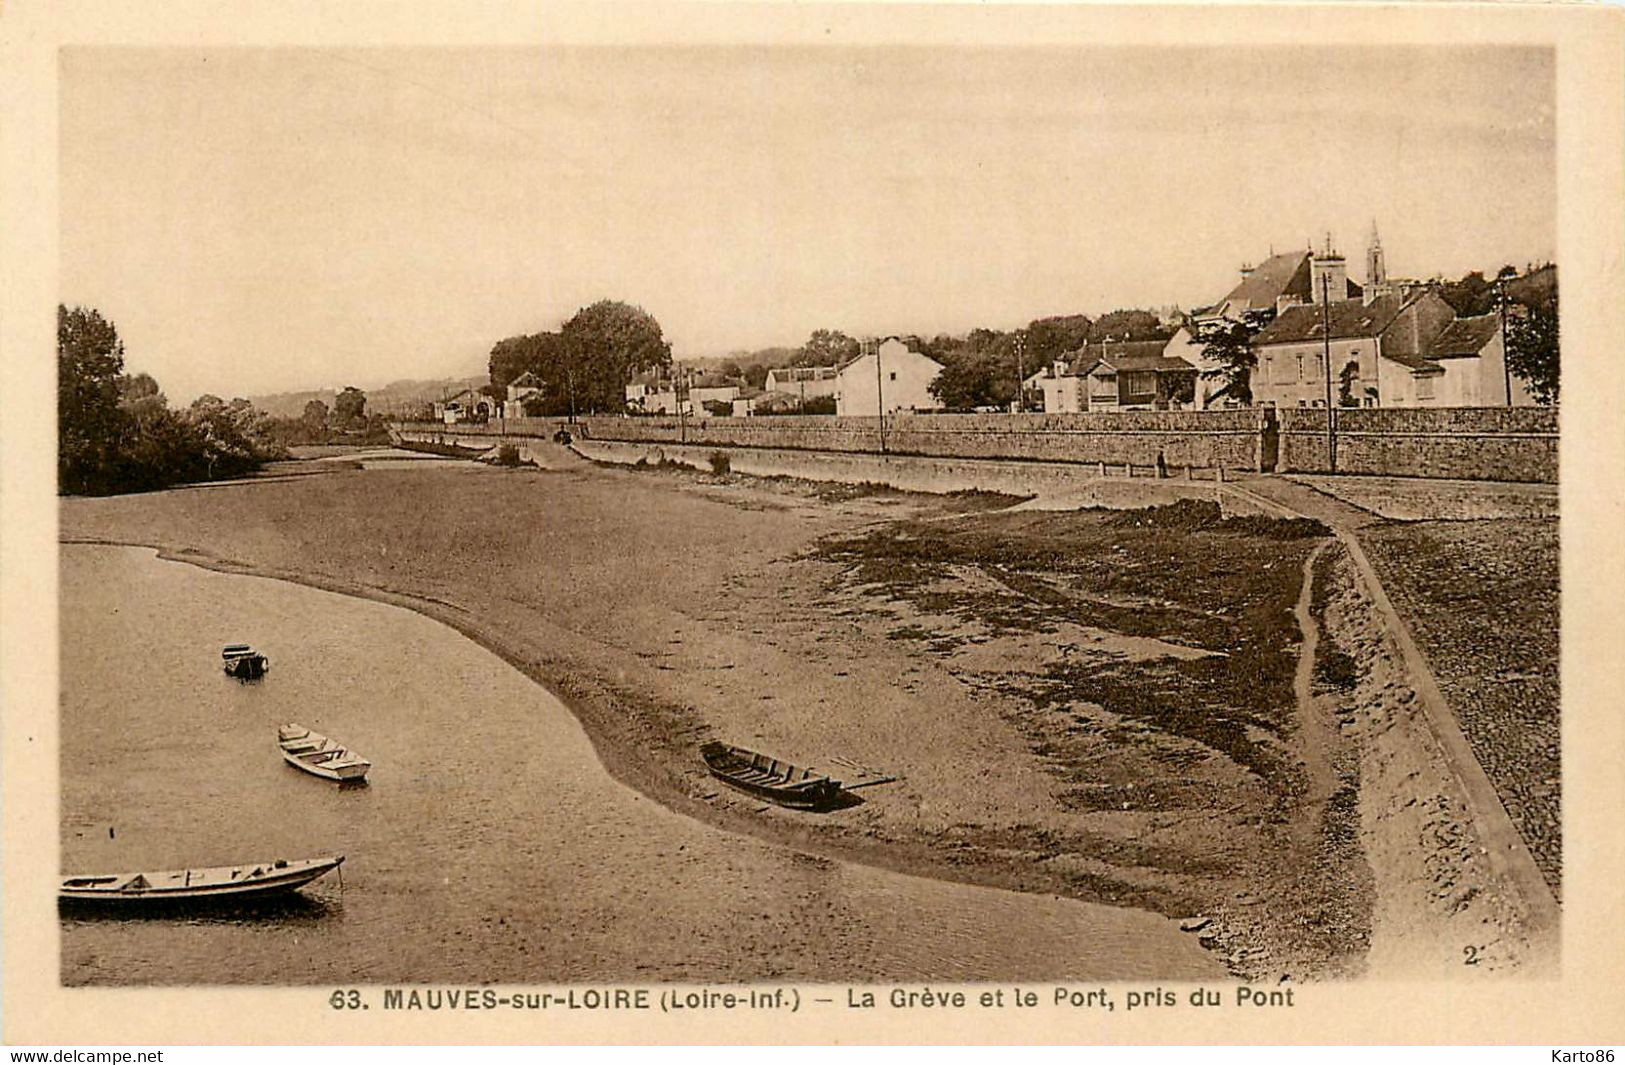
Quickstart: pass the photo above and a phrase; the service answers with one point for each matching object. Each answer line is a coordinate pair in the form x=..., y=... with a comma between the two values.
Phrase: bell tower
x=1376, y=270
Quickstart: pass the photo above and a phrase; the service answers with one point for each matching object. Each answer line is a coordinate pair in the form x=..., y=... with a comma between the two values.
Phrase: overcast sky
x=261, y=220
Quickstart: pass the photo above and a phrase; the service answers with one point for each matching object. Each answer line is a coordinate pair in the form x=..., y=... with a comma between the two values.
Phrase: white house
x=900, y=381
x=803, y=382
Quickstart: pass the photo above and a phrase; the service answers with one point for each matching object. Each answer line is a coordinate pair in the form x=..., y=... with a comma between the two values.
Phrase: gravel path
x=1482, y=598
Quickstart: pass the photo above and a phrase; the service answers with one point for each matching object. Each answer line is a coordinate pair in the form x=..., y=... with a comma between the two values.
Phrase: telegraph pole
x=1021, y=371
x=1326, y=330
x=880, y=397
x=682, y=412
x=1501, y=302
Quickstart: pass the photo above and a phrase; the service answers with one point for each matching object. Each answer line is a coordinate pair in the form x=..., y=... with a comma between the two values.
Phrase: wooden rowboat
x=769, y=778
x=317, y=754
x=234, y=882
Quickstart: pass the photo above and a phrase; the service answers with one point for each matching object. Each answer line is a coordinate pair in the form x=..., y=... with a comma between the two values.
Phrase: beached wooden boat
x=243, y=662
x=315, y=753
x=227, y=882
x=768, y=778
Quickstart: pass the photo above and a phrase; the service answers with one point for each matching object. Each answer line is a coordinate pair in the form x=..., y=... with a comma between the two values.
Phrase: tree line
x=116, y=432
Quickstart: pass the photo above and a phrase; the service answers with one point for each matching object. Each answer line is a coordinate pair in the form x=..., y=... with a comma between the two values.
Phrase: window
x=894, y=375
x=1300, y=367
x=1424, y=387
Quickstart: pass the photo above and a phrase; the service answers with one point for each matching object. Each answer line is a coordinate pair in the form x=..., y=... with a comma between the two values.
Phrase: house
x=1135, y=375
x=1472, y=353
x=708, y=394
x=803, y=382
x=464, y=406
x=526, y=386
x=888, y=377
x=1400, y=349
x=1281, y=281
x=1062, y=387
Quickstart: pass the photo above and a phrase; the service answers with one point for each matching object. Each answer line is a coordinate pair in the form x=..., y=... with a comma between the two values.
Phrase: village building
x=465, y=406
x=803, y=382
x=1116, y=375
x=890, y=377
x=1393, y=350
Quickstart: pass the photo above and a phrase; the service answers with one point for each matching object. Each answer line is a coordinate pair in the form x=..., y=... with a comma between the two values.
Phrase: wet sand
x=488, y=845
x=666, y=609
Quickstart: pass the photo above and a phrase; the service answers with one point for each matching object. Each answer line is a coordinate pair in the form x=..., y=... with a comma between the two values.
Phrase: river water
x=489, y=845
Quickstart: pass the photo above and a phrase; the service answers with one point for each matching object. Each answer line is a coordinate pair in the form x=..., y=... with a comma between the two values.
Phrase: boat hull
x=223, y=883
x=320, y=756
x=768, y=778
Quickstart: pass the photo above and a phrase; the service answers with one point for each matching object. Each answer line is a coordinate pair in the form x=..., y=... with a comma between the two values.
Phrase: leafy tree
x=349, y=406
x=1532, y=350
x=315, y=416
x=1128, y=325
x=1345, y=384
x=826, y=347
x=89, y=362
x=1049, y=339
x=141, y=398
x=605, y=346
x=979, y=373
x=1228, y=344
x=756, y=375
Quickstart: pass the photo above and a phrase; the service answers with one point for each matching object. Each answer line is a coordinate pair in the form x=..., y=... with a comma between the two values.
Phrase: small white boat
x=315, y=753
x=246, y=881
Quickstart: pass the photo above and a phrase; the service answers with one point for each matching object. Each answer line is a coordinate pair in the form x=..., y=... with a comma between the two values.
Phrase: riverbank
x=1094, y=704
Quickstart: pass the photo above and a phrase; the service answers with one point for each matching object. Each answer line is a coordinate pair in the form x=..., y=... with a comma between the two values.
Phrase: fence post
x=1103, y=469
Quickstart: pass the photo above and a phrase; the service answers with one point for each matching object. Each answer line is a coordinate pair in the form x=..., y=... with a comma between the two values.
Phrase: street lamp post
x=1326, y=330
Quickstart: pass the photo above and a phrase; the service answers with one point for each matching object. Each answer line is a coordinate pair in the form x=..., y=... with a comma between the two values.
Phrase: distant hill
x=393, y=398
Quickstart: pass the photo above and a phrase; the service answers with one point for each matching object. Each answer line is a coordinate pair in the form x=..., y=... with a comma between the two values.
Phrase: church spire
x=1376, y=270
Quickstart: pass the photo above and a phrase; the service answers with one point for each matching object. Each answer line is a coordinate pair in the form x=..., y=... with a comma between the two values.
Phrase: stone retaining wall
x=1468, y=443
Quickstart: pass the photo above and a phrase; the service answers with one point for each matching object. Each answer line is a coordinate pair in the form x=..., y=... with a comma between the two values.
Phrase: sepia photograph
x=828, y=525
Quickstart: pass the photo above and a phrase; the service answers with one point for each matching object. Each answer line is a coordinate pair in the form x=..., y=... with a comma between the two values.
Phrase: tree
x=349, y=406
x=826, y=347
x=1050, y=338
x=315, y=416
x=141, y=398
x=756, y=375
x=605, y=346
x=979, y=373
x=1345, y=384
x=90, y=422
x=1228, y=344
x=1128, y=325
x=1532, y=350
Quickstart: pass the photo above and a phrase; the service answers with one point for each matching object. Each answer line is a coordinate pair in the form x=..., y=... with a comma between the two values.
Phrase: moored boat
x=769, y=778
x=246, y=881
x=315, y=753
x=243, y=662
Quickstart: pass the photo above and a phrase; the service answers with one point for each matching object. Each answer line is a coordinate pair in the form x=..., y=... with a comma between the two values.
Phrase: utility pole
x=1326, y=330
x=1501, y=302
x=682, y=411
x=1021, y=371
x=880, y=397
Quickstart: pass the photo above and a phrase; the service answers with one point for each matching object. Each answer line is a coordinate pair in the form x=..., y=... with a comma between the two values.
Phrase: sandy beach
x=1110, y=706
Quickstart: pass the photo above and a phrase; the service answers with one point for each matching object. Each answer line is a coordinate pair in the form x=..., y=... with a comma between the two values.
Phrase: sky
x=259, y=220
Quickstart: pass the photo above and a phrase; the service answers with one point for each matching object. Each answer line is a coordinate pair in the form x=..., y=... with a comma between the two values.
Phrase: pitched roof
x=526, y=378
x=1269, y=280
x=1348, y=319
x=1100, y=350
x=1464, y=337
x=1134, y=361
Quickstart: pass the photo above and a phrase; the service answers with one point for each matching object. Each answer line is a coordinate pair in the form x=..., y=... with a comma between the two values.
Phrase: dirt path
x=1484, y=813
